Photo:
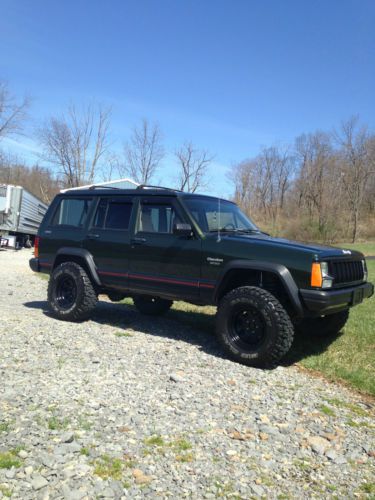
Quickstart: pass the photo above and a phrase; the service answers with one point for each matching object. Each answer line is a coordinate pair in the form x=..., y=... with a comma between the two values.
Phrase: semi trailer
x=20, y=216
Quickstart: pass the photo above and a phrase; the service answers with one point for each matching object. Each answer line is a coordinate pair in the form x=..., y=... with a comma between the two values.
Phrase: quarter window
x=71, y=212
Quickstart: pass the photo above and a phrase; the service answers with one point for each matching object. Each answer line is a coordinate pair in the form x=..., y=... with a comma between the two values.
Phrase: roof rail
x=149, y=186
x=103, y=187
x=106, y=184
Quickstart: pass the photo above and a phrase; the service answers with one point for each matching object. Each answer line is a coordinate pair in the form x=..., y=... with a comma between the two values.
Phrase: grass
x=108, y=467
x=9, y=459
x=327, y=411
x=368, y=488
x=367, y=248
x=181, y=447
x=353, y=408
x=5, y=491
x=56, y=424
x=123, y=334
x=4, y=427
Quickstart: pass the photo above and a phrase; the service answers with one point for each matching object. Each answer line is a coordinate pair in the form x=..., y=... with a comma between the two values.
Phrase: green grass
x=154, y=441
x=123, y=334
x=367, y=248
x=5, y=491
x=9, y=459
x=368, y=488
x=108, y=467
x=56, y=424
x=327, y=411
x=4, y=427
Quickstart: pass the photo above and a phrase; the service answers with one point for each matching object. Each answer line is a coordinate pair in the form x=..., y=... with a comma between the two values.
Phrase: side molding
x=83, y=254
x=281, y=271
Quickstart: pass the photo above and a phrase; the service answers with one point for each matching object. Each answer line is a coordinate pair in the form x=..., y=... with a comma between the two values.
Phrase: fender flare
x=83, y=254
x=281, y=272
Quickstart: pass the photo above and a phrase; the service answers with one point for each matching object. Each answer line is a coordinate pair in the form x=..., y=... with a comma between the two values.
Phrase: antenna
x=219, y=221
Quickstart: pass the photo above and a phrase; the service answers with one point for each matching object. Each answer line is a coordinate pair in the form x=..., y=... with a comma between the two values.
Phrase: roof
x=140, y=191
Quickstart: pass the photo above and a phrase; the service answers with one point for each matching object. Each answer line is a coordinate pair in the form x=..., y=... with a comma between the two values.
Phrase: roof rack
x=106, y=184
x=102, y=187
x=149, y=186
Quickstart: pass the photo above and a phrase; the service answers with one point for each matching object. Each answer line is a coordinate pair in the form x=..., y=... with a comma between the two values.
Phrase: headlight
x=320, y=277
x=365, y=273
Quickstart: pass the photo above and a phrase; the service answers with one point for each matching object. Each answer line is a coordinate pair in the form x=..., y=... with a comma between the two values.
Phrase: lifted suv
x=158, y=245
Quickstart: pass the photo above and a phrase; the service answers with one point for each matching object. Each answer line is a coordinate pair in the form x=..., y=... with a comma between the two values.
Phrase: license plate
x=357, y=296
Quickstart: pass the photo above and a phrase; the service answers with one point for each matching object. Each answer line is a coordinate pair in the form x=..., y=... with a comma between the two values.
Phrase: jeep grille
x=346, y=271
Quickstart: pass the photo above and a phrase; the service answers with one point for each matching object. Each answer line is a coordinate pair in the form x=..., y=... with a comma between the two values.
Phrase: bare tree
x=12, y=112
x=76, y=142
x=38, y=180
x=356, y=157
x=317, y=184
x=143, y=152
x=193, y=166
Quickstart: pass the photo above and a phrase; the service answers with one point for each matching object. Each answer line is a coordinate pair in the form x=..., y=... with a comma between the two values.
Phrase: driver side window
x=157, y=218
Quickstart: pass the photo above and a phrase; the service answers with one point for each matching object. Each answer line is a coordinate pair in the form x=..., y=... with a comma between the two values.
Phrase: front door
x=162, y=263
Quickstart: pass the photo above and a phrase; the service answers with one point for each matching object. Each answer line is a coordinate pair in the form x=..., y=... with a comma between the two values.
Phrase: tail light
x=36, y=246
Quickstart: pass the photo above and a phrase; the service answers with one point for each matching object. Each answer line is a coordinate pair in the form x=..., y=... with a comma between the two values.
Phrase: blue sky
x=229, y=75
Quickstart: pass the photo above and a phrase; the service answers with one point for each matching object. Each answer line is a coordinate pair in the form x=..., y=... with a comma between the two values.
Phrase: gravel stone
x=89, y=406
x=39, y=482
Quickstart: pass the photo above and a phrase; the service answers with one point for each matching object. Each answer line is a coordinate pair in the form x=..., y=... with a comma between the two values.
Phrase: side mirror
x=181, y=229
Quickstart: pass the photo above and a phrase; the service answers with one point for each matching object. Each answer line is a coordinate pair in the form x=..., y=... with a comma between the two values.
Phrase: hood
x=321, y=251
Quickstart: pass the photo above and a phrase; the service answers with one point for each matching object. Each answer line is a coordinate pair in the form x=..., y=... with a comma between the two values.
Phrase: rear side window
x=113, y=214
x=71, y=212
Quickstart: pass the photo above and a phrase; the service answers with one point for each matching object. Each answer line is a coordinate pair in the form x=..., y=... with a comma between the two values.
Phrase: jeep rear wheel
x=325, y=325
x=71, y=294
x=253, y=327
x=153, y=306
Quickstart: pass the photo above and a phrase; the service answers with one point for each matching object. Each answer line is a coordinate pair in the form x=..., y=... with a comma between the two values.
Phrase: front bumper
x=321, y=302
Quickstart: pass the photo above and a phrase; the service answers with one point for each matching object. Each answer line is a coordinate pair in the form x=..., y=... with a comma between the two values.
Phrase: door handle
x=138, y=241
x=93, y=236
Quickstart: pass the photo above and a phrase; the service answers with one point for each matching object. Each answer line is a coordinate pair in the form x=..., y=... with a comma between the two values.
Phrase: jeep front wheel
x=152, y=306
x=71, y=294
x=253, y=327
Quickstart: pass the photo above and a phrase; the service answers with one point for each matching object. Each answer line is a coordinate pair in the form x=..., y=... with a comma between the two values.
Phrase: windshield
x=213, y=215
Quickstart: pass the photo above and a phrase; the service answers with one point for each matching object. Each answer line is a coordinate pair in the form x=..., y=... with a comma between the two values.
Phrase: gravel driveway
x=130, y=406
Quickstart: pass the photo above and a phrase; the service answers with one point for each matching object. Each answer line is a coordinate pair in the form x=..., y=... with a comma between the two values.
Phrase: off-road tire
x=84, y=297
x=152, y=306
x=277, y=328
x=324, y=326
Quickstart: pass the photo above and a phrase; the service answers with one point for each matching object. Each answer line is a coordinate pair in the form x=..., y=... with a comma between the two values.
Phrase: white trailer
x=20, y=216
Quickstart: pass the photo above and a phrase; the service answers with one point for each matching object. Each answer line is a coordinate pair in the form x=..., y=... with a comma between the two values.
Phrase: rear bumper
x=34, y=264
x=330, y=301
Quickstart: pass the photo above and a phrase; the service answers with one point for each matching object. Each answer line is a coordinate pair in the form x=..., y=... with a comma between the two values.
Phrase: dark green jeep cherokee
x=158, y=245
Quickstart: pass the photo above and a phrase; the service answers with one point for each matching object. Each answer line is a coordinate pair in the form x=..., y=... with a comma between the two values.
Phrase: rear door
x=108, y=239
x=162, y=263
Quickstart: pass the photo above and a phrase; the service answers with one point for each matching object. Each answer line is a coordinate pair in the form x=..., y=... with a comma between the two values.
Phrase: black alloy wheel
x=66, y=292
x=247, y=328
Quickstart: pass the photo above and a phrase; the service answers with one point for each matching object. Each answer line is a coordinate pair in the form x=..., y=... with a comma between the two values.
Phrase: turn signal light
x=36, y=246
x=316, y=275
